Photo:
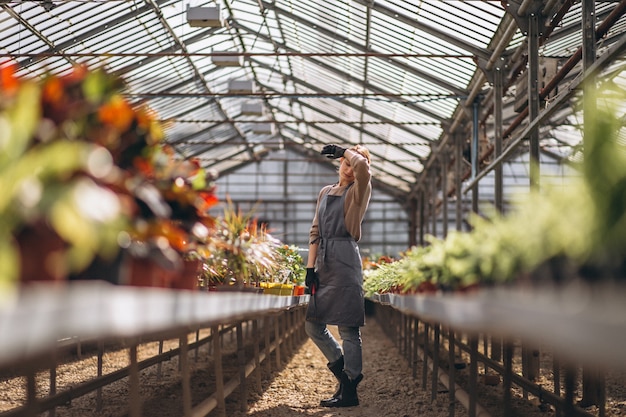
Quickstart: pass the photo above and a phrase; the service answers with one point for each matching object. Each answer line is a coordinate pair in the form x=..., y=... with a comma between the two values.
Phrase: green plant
x=579, y=228
x=81, y=165
x=239, y=251
x=56, y=173
x=292, y=267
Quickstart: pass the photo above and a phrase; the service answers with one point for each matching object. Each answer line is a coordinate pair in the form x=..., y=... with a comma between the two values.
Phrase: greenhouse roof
x=396, y=76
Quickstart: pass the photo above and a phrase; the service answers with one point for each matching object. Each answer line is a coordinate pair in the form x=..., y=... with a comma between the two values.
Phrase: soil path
x=388, y=388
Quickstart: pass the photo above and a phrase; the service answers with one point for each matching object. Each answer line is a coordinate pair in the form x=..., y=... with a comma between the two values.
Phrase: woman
x=334, y=271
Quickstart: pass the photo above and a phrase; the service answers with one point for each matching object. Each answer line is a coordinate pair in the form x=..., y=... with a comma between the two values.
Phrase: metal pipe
x=345, y=122
x=561, y=99
x=474, y=154
x=502, y=44
x=548, y=7
x=292, y=95
x=236, y=54
x=523, y=8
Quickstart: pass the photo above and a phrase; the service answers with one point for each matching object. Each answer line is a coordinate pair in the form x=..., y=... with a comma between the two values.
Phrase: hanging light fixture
x=230, y=60
x=263, y=128
x=205, y=16
x=252, y=108
x=240, y=86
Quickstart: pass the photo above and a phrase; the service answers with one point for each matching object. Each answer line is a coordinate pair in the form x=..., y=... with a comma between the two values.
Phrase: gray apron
x=339, y=298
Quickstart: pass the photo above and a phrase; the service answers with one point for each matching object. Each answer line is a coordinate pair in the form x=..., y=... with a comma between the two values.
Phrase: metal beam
x=164, y=54
x=352, y=105
x=373, y=135
x=356, y=46
x=562, y=99
x=198, y=74
x=445, y=36
x=453, y=89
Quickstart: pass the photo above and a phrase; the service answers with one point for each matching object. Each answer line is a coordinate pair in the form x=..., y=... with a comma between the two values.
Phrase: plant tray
x=276, y=288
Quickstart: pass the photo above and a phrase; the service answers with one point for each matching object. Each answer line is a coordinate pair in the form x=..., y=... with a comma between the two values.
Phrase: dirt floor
x=294, y=390
x=388, y=388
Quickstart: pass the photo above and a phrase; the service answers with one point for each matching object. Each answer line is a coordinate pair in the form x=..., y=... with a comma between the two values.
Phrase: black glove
x=311, y=280
x=333, y=151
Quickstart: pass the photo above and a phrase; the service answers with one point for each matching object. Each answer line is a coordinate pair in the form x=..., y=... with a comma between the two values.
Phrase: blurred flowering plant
x=240, y=251
x=292, y=264
x=174, y=196
x=80, y=164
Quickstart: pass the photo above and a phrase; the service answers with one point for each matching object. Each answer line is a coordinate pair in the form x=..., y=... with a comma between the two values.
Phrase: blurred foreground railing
x=583, y=328
x=41, y=321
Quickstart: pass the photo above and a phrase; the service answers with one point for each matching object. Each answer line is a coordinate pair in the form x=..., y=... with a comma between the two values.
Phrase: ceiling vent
x=263, y=128
x=227, y=60
x=240, y=86
x=205, y=16
x=252, y=108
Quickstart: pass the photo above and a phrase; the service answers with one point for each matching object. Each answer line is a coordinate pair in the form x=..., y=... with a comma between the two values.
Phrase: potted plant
x=240, y=253
x=59, y=209
x=85, y=177
x=176, y=196
x=292, y=270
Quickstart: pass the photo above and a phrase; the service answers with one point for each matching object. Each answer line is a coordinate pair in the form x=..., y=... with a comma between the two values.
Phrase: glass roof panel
x=471, y=21
x=388, y=74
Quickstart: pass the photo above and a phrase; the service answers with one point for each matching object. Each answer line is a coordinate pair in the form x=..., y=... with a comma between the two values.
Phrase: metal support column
x=433, y=200
x=533, y=96
x=444, y=192
x=458, y=161
x=474, y=154
x=413, y=222
x=422, y=197
x=498, y=91
x=589, y=57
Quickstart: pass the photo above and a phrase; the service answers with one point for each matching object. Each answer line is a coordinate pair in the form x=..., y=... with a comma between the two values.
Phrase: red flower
x=8, y=82
x=207, y=200
x=53, y=91
x=117, y=113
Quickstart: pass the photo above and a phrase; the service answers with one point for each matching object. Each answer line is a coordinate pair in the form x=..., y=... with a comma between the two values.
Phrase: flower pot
x=298, y=290
x=41, y=254
x=276, y=288
x=187, y=279
x=145, y=272
x=109, y=270
x=286, y=289
x=236, y=288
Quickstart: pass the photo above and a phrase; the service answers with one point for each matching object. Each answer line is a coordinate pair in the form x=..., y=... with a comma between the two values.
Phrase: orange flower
x=8, y=81
x=53, y=90
x=117, y=113
x=177, y=237
x=143, y=166
x=78, y=74
x=206, y=201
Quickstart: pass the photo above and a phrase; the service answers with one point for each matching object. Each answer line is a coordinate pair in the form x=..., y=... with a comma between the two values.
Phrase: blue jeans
x=352, y=352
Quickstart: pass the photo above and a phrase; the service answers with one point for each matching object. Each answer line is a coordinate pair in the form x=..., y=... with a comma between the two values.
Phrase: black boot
x=337, y=369
x=348, y=396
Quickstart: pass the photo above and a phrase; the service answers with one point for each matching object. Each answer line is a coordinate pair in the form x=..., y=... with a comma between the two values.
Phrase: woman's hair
x=363, y=151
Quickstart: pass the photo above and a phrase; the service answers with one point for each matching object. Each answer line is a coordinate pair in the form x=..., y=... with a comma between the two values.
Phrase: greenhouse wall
x=516, y=184
x=281, y=191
